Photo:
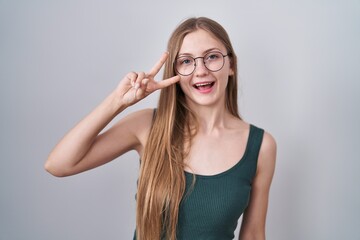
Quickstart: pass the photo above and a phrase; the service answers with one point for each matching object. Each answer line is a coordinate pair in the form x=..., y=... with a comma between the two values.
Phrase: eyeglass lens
x=186, y=65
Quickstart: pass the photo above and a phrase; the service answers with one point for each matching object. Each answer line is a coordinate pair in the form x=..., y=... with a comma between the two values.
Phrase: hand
x=136, y=86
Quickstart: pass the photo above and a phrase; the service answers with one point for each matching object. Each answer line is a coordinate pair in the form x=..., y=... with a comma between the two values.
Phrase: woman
x=202, y=166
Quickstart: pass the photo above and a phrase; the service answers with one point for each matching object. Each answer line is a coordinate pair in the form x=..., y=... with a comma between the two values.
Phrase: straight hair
x=161, y=184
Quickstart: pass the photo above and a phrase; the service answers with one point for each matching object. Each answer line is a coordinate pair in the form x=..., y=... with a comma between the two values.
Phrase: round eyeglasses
x=213, y=61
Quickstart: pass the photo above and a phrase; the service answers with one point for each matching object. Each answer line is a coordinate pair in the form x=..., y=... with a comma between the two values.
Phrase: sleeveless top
x=210, y=208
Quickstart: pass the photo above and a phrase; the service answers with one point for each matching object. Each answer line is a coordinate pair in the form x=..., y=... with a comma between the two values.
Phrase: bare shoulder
x=139, y=124
x=268, y=145
x=142, y=117
x=255, y=215
x=267, y=156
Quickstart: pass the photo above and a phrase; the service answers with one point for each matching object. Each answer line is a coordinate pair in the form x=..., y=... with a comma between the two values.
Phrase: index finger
x=155, y=70
x=167, y=82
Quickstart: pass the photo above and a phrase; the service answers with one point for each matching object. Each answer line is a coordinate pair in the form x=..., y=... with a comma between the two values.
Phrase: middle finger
x=155, y=70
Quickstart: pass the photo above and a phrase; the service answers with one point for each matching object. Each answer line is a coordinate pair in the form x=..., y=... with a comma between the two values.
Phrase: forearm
x=77, y=142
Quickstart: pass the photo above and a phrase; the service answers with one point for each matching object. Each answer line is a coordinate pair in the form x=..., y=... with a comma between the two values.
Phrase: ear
x=231, y=72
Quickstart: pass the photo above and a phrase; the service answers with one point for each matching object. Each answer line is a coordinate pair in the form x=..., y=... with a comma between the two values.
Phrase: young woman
x=202, y=166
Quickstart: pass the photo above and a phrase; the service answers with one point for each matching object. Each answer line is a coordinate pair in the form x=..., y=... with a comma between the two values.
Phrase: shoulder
x=255, y=215
x=141, y=116
x=267, y=156
x=268, y=146
x=139, y=121
x=137, y=125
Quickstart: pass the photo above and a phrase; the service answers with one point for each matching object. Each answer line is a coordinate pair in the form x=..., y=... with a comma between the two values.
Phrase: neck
x=211, y=118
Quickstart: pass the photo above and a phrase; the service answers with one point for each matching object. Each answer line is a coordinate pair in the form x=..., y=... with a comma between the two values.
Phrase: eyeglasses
x=213, y=61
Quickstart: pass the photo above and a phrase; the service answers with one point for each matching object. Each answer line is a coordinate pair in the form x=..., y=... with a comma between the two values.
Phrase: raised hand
x=137, y=85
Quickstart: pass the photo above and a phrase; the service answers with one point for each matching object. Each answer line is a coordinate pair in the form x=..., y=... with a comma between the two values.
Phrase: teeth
x=202, y=84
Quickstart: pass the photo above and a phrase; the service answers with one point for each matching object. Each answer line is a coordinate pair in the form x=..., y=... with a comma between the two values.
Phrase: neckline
x=232, y=168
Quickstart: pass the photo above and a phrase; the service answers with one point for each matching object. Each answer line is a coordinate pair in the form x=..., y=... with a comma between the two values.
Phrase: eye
x=212, y=56
x=185, y=61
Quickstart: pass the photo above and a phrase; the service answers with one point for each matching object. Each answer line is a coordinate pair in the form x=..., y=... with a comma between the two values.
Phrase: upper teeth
x=202, y=84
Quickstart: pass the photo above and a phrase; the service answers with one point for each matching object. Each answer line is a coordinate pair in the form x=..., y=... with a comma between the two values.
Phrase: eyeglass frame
x=227, y=55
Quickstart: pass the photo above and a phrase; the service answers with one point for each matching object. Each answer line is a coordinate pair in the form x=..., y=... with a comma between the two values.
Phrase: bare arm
x=83, y=147
x=253, y=224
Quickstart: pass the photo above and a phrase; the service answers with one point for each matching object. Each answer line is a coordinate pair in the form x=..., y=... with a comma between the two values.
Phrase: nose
x=200, y=68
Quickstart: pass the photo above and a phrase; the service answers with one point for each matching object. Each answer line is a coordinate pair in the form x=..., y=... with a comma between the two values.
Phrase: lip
x=204, y=87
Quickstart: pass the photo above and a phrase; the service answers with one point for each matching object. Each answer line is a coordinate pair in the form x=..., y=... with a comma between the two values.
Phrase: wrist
x=115, y=103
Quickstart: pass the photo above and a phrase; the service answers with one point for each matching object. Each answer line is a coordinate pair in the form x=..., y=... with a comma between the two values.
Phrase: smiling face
x=204, y=87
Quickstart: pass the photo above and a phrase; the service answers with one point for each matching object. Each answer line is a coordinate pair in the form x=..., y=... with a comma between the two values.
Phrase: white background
x=299, y=70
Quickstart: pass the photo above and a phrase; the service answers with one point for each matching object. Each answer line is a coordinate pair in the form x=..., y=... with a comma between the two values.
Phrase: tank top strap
x=253, y=148
x=154, y=114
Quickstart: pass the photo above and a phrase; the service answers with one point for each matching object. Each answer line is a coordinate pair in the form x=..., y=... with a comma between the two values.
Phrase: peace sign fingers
x=155, y=70
x=138, y=85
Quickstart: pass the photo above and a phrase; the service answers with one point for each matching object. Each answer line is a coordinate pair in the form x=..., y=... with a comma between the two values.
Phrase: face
x=204, y=87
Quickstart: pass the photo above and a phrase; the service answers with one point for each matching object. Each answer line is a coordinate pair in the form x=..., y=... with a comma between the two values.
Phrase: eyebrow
x=205, y=52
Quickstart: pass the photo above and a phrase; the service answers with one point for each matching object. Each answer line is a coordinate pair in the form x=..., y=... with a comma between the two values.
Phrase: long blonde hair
x=161, y=184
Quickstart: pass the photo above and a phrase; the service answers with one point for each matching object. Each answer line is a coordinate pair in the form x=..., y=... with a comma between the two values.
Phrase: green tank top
x=213, y=206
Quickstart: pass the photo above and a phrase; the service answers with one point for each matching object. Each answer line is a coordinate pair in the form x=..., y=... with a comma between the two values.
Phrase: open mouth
x=204, y=85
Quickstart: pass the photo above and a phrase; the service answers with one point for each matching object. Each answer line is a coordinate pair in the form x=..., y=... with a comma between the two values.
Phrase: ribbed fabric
x=211, y=208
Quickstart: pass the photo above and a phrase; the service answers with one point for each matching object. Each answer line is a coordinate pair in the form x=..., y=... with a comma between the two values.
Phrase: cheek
x=224, y=76
x=184, y=82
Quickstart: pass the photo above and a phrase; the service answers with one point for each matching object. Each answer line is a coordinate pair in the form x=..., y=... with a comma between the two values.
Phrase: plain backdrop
x=299, y=76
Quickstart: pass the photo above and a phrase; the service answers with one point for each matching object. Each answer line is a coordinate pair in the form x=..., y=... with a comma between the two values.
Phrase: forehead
x=198, y=42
